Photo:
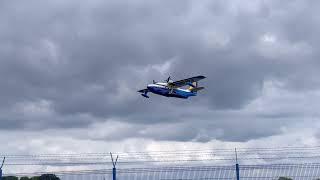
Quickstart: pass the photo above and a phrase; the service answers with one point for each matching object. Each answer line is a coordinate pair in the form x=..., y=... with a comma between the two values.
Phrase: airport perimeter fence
x=297, y=163
x=276, y=171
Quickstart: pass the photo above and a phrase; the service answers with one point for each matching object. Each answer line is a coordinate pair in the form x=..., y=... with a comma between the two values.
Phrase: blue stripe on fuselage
x=166, y=92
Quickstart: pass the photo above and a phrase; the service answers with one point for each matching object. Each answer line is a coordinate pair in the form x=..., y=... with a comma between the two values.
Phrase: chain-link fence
x=259, y=163
x=247, y=172
x=272, y=171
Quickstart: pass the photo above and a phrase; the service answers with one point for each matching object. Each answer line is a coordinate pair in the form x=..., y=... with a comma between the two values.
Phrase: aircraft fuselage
x=164, y=90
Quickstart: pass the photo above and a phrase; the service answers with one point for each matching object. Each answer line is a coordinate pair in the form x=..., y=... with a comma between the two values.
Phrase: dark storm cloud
x=88, y=59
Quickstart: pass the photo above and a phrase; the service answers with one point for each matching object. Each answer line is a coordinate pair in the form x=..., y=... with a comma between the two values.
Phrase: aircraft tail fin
x=193, y=86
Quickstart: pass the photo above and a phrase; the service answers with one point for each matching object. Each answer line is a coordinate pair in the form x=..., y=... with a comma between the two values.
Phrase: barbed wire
x=78, y=163
x=174, y=152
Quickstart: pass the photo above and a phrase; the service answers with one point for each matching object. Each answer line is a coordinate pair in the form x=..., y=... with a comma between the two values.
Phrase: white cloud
x=281, y=49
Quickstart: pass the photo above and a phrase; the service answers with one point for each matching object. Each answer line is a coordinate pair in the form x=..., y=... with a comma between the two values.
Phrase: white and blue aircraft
x=174, y=88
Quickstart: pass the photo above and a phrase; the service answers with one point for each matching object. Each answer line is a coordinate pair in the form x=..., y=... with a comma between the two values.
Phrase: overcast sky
x=69, y=72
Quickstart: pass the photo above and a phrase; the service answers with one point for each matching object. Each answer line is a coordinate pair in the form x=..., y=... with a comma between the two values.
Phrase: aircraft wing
x=185, y=82
x=143, y=91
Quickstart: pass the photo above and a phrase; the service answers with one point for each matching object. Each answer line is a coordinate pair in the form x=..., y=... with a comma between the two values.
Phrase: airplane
x=174, y=88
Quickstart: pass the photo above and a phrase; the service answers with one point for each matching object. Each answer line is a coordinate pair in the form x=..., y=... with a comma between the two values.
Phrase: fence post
x=114, y=173
x=237, y=165
x=237, y=171
x=114, y=170
x=4, y=158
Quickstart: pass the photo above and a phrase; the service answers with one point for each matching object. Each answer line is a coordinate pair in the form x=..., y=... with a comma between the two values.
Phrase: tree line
x=42, y=177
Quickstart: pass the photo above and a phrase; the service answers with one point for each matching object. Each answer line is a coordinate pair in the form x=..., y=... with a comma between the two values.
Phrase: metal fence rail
x=247, y=172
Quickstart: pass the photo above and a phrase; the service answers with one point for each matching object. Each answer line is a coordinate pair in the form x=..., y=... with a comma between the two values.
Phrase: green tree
x=284, y=178
x=25, y=178
x=49, y=177
x=35, y=178
x=10, y=178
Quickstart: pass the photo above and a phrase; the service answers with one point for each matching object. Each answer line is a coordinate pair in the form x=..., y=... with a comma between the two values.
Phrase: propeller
x=170, y=87
x=168, y=79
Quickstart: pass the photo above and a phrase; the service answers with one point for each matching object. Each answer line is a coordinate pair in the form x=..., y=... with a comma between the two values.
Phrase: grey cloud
x=88, y=59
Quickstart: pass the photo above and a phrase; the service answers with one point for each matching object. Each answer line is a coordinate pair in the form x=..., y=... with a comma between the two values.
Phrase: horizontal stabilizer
x=197, y=89
x=144, y=95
